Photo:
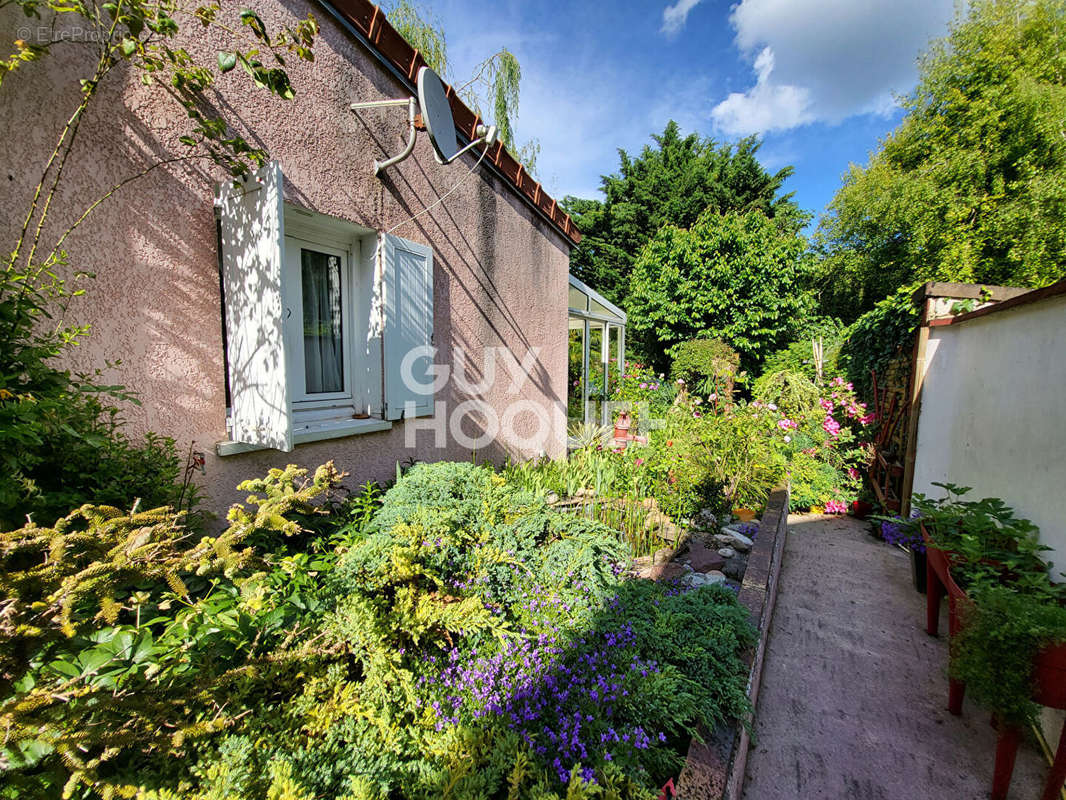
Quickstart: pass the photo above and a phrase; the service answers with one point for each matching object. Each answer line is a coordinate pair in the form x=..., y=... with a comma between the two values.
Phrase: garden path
x=853, y=700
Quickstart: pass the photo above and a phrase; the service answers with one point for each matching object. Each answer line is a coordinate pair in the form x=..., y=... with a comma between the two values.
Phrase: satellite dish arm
x=411, y=104
x=380, y=166
x=486, y=135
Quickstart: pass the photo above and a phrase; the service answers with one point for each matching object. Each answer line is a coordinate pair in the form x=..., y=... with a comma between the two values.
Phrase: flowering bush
x=827, y=453
x=640, y=384
x=464, y=641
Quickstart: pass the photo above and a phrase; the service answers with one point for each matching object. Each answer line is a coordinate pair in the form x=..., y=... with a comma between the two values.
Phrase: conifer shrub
x=464, y=640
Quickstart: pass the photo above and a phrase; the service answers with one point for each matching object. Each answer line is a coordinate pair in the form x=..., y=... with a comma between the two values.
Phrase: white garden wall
x=993, y=411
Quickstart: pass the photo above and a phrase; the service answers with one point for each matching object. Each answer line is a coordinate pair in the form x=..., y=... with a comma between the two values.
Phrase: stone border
x=714, y=768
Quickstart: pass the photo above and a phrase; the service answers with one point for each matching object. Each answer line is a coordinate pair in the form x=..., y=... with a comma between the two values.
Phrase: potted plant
x=1008, y=619
x=907, y=535
x=1010, y=653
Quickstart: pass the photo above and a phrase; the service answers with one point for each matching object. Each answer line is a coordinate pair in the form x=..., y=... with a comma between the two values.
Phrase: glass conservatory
x=597, y=353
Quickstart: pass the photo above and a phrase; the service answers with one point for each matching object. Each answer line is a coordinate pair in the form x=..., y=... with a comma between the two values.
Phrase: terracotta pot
x=744, y=514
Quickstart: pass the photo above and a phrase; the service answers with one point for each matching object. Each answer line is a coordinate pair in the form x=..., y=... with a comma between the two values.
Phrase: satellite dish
x=437, y=115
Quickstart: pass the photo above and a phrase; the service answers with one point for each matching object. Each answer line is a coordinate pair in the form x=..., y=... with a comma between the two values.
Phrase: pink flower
x=853, y=473
x=825, y=404
x=835, y=507
x=644, y=386
x=831, y=426
x=637, y=462
x=868, y=419
x=786, y=424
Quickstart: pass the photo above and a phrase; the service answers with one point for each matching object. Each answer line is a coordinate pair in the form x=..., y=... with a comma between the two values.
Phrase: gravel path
x=853, y=701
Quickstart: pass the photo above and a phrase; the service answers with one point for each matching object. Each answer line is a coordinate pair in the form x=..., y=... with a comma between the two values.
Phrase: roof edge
x=368, y=21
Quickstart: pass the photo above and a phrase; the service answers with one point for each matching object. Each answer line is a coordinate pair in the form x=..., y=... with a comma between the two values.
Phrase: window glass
x=578, y=300
x=323, y=340
x=575, y=395
x=597, y=374
x=602, y=310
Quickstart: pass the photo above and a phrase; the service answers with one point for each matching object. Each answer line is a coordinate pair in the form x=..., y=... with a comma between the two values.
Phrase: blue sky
x=814, y=78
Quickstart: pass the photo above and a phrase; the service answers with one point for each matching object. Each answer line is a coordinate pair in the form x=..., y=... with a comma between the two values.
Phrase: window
x=320, y=315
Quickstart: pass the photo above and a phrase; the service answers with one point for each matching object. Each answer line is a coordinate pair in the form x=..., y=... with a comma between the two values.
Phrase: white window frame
x=261, y=264
x=294, y=247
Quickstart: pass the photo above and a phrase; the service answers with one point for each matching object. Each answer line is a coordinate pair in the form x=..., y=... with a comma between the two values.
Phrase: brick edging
x=714, y=768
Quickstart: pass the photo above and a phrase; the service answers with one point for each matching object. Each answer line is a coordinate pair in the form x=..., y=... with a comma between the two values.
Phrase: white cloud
x=824, y=60
x=768, y=106
x=674, y=16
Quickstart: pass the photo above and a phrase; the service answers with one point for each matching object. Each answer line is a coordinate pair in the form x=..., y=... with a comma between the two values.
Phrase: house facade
x=316, y=311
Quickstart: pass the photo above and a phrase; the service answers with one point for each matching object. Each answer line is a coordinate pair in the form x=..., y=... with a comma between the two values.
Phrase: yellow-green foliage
x=119, y=631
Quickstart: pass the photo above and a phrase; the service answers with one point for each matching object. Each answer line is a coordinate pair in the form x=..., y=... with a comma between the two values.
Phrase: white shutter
x=253, y=239
x=408, y=328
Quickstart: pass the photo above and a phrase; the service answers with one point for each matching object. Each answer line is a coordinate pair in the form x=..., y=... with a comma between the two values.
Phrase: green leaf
x=129, y=47
x=226, y=61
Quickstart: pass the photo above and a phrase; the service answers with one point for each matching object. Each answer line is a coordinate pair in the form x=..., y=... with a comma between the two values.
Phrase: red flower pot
x=860, y=509
x=1049, y=689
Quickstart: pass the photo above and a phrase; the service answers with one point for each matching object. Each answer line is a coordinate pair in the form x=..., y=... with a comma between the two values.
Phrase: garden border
x=714, y=768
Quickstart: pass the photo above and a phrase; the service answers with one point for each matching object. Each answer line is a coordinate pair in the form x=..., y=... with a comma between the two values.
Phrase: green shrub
x=456, y=637
x=878, y=337
x=125, y=638
x=799, y=355
x=61, y=444
x=706, y=365
x=792, y=392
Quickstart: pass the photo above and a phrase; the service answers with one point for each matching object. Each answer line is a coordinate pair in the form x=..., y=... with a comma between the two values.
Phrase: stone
x=736, y=527
x=742, y=542
x=703, y=559
x=669, y=531
x=726, y=552
x=552, y=498
x=723, y=539
x=666, y=572
x=714, y=576
x=642, y=562
x=662, y=556
x=735, y=567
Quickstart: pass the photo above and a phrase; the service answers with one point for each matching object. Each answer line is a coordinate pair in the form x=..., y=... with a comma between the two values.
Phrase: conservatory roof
x=584, y=301
x=368, y=24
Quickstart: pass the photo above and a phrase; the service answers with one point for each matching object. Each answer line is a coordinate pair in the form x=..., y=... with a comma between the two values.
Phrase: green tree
x=495, y=82
x=730, y=276
x=972, y=185
x=672, y=183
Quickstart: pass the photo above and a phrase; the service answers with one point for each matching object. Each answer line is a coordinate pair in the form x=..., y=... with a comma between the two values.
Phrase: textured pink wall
x=500, y=270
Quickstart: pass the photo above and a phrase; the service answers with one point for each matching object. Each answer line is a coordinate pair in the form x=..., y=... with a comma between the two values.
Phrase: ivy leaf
x=129, y=47
x=226, y=61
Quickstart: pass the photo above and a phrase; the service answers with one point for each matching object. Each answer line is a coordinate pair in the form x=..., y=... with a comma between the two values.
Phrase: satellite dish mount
x=437, y=117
